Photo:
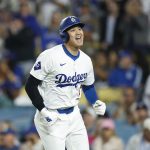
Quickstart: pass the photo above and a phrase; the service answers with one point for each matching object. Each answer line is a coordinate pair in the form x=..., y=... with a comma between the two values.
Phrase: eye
x=72, y=30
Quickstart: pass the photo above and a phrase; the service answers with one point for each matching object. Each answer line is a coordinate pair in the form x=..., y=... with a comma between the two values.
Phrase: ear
x=64, y=36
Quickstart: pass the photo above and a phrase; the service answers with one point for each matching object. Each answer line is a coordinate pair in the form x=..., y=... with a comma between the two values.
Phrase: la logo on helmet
x=73, y=19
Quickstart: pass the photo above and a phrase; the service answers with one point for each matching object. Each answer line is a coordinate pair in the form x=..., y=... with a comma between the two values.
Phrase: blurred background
x=117, y=38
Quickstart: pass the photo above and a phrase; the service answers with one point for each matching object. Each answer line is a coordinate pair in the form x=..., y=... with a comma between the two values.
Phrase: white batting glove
x=50, y=116
x=99, y=107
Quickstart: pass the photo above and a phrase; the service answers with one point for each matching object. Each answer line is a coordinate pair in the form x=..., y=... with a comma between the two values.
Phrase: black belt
x=66, y=110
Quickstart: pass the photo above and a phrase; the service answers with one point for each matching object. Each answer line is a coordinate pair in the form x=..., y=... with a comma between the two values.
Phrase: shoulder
x=85, y=56
x=136, y=138
x=134, y=141
x=116, y=143
x=97, y=143
x=52, y=51
x=116, y=140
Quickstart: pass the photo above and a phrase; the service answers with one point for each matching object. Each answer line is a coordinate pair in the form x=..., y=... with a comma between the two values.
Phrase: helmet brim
x=74, y=25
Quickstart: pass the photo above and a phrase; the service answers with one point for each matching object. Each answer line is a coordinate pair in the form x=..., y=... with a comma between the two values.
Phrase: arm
x=31, y=88
x=90, y=93
x=91, y=96
x=39, y=71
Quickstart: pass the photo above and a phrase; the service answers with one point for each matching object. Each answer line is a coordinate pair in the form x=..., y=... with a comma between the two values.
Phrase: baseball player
x=54, y=87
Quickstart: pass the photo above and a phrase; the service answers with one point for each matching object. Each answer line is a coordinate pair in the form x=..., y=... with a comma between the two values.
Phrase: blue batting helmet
x=68, y=23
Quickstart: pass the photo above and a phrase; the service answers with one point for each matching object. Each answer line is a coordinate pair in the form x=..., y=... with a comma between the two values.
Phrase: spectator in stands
x=112, y=59
x=10, y=84
x=107, y=139
x=127, y=74
x=141, y=141
x=141, y=113
x=31, y=21
x=125, y=105
x=135, y=25
x=13, y=65
x=143, y=61
x=146, y=94
x=32, y=140
x=146, y=10
x=109, y=25
x=91, y=43
x=5, y=125
x=101, y=69
x=86, y=13
x=89, y=118
x=50, y=35
x=47, y=8
x=9, y=140
x=20, y=41
x=28, y=18
x=123, y=114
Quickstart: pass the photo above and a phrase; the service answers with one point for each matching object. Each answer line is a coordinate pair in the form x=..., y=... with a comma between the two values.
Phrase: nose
x=78, y=31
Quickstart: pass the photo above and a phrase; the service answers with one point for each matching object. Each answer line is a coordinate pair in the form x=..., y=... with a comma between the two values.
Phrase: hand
x=49, y=115
x=99, y=107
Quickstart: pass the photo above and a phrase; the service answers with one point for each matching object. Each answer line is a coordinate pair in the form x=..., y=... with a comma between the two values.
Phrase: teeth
x=78, y=38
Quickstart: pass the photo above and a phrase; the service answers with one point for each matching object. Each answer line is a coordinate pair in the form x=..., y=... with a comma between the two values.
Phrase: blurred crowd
x=117, y=38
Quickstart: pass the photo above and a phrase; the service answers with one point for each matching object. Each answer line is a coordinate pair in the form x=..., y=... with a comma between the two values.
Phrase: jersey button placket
x=74, y=66
x=74, y=70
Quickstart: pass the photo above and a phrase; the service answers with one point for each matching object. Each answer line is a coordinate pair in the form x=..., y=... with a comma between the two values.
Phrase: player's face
x=76, y=37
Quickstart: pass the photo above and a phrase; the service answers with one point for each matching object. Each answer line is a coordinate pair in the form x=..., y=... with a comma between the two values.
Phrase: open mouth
x=78, y=38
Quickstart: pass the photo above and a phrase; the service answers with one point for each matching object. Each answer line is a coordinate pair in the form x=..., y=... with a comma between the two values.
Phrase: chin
x=79, y=44
x=76, y=44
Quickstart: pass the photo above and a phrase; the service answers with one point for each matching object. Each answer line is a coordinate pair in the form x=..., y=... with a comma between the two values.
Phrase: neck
x=105, y=140
x=73, y=50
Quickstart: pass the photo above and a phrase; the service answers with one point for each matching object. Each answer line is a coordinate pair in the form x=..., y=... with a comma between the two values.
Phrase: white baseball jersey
x=62, y=75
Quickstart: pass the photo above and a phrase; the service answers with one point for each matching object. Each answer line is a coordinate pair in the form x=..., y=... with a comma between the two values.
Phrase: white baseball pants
x=68, y=131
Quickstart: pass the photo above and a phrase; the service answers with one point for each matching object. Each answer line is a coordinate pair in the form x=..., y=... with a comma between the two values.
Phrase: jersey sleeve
x=90, y=76
x=41, y=67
